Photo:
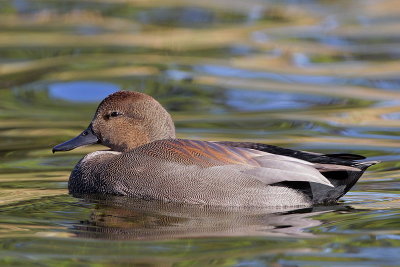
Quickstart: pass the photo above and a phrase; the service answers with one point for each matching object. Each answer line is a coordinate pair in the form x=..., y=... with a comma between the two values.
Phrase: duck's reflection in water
x=122, y=218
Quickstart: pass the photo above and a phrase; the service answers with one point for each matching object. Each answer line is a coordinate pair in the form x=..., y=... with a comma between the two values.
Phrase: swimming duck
x=147, y=161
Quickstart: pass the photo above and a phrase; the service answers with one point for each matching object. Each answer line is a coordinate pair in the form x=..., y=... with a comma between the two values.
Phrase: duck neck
x=151, y=132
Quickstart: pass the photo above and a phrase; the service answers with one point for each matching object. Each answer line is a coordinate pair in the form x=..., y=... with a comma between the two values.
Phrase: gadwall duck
x=147, y=161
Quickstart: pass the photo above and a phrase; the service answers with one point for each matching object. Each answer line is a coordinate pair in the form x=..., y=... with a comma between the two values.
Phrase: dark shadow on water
x=123, y=218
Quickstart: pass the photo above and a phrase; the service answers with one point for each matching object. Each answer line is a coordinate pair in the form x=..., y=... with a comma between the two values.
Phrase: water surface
x=311, y=75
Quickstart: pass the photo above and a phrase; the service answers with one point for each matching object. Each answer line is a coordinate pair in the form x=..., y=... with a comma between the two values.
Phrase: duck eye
x=115, y=114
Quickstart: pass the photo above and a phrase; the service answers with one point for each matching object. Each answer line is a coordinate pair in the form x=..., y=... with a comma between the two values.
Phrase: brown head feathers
x=125, y=120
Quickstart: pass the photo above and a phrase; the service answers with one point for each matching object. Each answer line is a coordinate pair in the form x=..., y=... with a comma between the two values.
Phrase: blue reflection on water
x=248, y=100
x=390, y=83
x=82, y=91
x=225, y=71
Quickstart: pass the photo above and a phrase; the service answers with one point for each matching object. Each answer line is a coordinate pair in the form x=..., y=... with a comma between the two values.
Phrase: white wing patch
x=275, y=168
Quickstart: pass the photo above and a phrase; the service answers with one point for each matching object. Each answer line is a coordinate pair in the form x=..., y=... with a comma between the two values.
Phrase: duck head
x=124, y=120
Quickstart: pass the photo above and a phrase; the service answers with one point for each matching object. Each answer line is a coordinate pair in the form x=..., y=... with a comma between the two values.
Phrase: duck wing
x=342, y=170
x=343, y=159
x=263, y=166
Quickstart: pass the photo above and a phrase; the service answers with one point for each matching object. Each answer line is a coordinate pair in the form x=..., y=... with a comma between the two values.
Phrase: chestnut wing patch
x=201, y=153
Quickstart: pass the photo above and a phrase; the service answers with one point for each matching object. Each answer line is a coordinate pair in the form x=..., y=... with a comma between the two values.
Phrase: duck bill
x=87, y=137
